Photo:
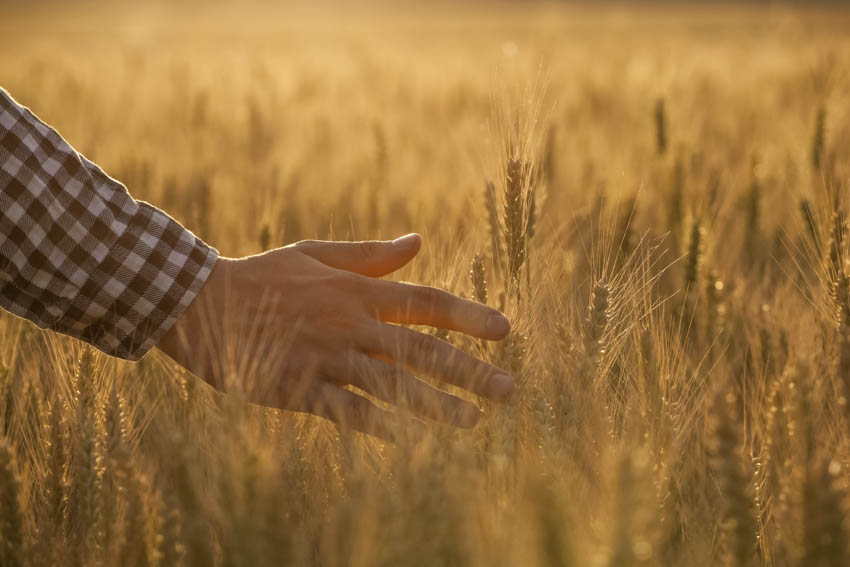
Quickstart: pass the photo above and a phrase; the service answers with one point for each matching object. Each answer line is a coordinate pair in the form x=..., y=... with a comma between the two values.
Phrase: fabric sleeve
x=80, y=256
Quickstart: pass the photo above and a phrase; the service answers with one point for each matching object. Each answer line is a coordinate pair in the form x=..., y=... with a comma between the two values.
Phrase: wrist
x=180, y=339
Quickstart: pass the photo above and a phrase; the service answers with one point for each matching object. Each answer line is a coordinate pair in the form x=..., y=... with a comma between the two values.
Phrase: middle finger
x=410, y=304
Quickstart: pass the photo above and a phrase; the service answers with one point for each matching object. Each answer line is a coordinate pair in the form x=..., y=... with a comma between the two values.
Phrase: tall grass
x=662, y=223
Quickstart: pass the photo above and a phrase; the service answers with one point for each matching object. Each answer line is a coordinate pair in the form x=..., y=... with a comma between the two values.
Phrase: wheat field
x=655, y=194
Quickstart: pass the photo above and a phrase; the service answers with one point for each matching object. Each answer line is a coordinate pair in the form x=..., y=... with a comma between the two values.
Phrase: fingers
x=352, y=411
x=395, y=385
x=431, y=356
x=373, y=258
x=407, y=303
x=410, y=304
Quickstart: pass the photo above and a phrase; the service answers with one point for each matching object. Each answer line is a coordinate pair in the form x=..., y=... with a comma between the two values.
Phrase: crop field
x=655, y=194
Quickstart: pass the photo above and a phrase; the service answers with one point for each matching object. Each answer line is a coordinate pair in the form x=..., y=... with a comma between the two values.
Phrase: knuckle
x=345, y=281
x=386, y=383
x=427, y=296
x=423, y=343
x=368, y=248
x=393, y=380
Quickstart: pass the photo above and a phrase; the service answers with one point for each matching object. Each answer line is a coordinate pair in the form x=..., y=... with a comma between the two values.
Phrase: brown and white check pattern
x=78, y=255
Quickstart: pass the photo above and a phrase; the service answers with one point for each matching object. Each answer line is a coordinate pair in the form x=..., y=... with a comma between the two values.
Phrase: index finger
x=410, y=304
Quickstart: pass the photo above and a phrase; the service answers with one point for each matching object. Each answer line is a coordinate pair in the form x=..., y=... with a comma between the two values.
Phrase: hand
x=293, y=327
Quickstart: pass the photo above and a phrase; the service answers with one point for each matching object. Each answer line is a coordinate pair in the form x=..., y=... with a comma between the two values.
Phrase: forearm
x=78, y=254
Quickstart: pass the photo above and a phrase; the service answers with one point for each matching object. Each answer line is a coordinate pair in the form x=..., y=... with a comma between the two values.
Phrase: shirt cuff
x=150, y=276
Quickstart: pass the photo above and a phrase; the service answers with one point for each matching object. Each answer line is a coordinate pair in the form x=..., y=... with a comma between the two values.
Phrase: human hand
x=292, y=327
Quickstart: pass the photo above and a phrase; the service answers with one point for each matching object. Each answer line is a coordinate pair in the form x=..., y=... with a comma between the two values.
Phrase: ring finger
x=395, y=385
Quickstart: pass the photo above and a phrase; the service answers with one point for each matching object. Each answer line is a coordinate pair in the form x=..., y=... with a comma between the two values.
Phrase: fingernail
x=498, y=325
x=501, y=386
x=468, y=416
x=406, y=242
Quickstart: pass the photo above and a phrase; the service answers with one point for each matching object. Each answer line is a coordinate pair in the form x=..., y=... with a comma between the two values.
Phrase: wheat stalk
x=11, y=512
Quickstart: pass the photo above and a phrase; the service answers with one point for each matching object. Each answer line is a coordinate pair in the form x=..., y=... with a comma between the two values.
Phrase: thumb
x=373, y=258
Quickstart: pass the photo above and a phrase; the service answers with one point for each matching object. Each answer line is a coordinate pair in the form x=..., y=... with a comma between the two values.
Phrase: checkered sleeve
x=78, y=255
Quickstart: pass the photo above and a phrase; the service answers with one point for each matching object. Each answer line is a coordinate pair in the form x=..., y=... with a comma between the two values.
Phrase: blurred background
x=299, y=101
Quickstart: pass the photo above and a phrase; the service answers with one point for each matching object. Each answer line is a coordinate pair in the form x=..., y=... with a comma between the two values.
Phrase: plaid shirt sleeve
x=78, y=255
